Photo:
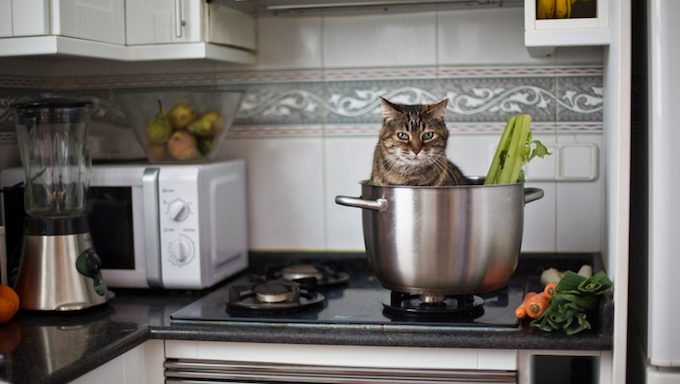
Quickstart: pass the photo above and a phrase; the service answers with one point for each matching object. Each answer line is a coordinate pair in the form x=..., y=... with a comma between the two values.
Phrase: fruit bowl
x=180, y=126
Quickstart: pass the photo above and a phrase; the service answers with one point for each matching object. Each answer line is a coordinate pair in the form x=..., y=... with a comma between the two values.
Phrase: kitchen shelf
x=60, y=45
x=566, y=32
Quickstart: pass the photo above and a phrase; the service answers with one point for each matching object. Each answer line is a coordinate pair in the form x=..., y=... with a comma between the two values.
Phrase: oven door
x=123, y=218
x=211, y=371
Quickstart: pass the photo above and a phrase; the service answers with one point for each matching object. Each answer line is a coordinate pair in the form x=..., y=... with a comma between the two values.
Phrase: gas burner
x=434, y=307
x=323, y=274
x=271, y=296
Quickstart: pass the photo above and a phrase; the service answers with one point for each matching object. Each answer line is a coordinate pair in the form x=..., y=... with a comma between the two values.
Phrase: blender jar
x=52, y=136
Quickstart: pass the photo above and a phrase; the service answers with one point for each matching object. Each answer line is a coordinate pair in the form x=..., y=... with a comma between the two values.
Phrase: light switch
x=578, y=162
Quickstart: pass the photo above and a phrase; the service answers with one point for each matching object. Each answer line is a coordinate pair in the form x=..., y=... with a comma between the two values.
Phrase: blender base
x=59, y=272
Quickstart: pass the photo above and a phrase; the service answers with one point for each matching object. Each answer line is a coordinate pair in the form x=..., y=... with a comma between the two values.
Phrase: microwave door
x=123, y=230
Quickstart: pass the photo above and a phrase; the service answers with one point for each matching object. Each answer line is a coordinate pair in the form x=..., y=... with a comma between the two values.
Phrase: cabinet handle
x=179, y=18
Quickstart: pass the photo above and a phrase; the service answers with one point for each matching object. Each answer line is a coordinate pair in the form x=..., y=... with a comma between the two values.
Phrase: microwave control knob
x=181, y=251
x=178, y=210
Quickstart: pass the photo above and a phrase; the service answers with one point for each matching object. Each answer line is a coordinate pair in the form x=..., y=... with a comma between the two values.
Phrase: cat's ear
x=438, y=110
x=390, y=111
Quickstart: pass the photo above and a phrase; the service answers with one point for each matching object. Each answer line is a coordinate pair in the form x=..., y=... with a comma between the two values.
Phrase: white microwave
x=157, y=226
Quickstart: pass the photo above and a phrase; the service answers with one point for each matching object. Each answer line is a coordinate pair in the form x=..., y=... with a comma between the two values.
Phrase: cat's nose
x=416, y=151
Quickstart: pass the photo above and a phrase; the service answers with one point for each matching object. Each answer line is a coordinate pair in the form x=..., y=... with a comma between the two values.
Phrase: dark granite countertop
x=57, y=348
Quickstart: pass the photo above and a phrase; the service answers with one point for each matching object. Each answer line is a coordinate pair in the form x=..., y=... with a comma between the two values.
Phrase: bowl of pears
x=181, y=127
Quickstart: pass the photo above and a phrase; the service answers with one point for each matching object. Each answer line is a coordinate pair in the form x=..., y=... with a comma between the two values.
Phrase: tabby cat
x=411, y=147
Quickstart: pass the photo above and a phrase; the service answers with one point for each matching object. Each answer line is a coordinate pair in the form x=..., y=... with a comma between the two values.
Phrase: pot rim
x=478, y=180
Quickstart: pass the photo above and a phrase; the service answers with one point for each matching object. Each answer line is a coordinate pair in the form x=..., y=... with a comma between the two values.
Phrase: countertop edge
x=522, y=339
x=100, y=357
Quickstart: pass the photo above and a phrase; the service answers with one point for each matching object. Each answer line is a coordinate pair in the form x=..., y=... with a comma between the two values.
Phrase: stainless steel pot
x=443, y=240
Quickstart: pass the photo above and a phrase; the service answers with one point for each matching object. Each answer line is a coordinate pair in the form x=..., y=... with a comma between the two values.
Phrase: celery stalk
x=501, y=150
x=515, y=149
x=511, y=158
x=523, y=150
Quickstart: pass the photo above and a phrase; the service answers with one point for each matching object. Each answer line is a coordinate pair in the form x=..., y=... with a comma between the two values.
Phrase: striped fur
x=411, y=147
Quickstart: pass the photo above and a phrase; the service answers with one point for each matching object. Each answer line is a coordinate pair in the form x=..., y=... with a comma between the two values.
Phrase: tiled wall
x=308, y=123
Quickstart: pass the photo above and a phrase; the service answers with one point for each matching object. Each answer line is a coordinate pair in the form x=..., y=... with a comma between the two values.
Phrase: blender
x=59, y=269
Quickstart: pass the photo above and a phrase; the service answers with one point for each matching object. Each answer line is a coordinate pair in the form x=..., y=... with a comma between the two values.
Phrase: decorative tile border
x=338, y=102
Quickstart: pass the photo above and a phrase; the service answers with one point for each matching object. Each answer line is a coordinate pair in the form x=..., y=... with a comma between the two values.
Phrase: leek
x=576, y=295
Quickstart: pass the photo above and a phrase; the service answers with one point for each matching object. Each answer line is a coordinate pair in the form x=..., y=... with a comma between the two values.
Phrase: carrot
x=549, y=289
x=521, y=310
x=536, y=305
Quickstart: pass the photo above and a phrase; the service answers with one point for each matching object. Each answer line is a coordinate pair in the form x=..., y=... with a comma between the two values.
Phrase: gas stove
x=343, y=291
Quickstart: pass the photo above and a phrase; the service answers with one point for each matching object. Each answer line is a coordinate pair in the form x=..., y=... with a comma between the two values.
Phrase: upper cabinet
x=129, y=30
x=562, y=23
x=24, y=18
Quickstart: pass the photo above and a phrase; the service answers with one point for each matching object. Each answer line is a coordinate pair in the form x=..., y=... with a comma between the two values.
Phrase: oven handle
x=186, y=371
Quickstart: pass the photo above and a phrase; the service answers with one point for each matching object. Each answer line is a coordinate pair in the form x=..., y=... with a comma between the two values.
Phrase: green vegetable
x=515, y=149
x=576, y=295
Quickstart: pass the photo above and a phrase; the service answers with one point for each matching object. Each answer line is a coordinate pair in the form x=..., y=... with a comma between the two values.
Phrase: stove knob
x=178, y=210
x=181, y=251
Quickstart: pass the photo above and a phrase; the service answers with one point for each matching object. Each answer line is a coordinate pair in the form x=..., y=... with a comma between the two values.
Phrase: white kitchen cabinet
x=188, y=29
x=550, y=33
x=163, y=21
x=96, y=20
x=24, y=18
x=141, y=365
x=127, y=30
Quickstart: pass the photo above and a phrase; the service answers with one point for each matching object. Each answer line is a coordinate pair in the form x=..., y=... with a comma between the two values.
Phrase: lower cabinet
x=565, y=367
x=175, y=361
x=141, y=365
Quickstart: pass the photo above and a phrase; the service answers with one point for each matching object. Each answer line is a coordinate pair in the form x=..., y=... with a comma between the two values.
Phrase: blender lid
x=51, y=102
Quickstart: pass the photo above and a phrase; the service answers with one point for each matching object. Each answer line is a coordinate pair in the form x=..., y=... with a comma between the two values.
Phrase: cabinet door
x=5, y=18
x=24, y=18
x=163, y=21
x=98, y=20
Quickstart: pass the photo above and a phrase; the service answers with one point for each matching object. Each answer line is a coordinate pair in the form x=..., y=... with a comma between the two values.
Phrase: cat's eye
x=402, y=136
x=428, y=135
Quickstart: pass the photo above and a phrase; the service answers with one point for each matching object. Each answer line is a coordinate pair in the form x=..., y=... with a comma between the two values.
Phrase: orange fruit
x=9, y=303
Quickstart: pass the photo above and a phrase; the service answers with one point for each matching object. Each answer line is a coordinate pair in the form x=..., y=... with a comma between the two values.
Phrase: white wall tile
x=486, y=36
x=540, y=220
x=285, y=191
x=289, y=42
x=380, y=40
x=472, y=153
x=580, y=216
x=579, y=55
x=580, y=204
x=9, y=156
x=348, y=161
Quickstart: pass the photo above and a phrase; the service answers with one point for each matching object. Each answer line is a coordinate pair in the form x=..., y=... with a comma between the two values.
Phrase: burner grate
x=271, y=296
x=325, y=274
x=445, y=308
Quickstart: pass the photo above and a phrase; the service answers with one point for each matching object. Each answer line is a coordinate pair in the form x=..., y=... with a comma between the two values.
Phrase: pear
x=158, y=128
x=181, y=115
x=205, y=145
x=182, y=146
x=207, y=125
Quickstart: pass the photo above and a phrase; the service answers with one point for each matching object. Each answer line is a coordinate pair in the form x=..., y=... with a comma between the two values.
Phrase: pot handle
x=532, y=194
x=357, y=202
